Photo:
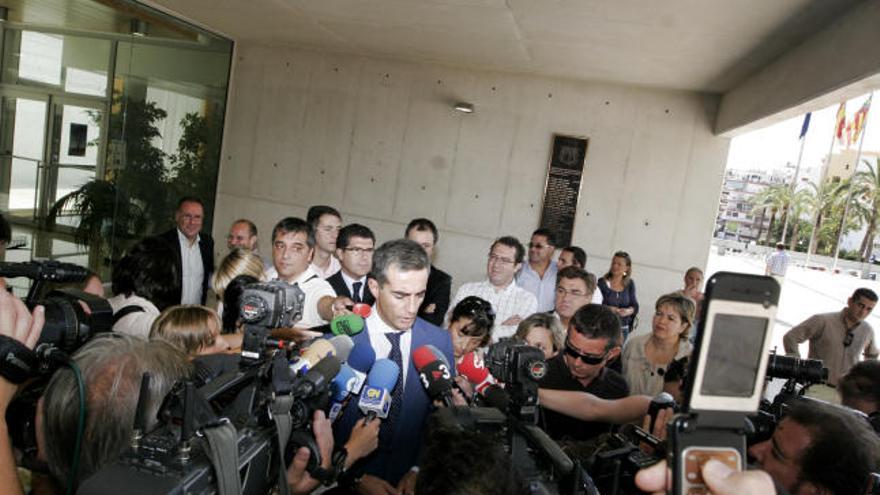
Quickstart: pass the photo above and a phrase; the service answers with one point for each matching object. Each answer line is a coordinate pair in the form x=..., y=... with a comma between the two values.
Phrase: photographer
x=16, y=323
x=820, y=448
x=144, y=284
x=860, y=388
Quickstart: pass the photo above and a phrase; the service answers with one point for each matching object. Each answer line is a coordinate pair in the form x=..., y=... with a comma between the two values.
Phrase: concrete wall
x=379, y=139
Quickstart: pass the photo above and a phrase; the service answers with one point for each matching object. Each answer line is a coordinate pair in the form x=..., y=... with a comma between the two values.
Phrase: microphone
x=350, y=325
x=434, y=372
x=497, y=397
x=375, y=400
x=364, y=310
x=340, y=389
x=661, y=401
x=319, y=349
x=54, y=271
x=318, y=378
x=361, y=361
x=474, y=369
x=343, y=345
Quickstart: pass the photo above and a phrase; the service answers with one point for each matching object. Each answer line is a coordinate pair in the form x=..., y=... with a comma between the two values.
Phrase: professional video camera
x=238, y=430
x=72, y=318
x=799, y=376
x=510, y=413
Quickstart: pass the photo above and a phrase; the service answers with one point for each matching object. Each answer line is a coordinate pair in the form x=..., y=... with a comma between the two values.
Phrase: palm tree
x=821, y=200
x=799, y=206
x=866, y=191
x=776, y=198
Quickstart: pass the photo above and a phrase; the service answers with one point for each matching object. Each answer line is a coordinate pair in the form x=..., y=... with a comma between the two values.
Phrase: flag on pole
x=860, y=118
x=806, y=125
x=840, y=123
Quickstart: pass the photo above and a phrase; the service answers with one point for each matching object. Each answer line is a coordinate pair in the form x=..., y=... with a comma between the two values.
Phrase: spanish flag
x=860, y=118
x=840, y=124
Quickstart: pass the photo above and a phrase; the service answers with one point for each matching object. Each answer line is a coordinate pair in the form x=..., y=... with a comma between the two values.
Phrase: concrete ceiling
x=701, y=45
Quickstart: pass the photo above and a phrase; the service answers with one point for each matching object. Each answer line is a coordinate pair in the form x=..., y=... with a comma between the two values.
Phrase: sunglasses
x=591, y=359
x=848, y=340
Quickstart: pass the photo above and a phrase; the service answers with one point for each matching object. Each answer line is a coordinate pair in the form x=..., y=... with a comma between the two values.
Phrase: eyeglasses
x=499, y=259
x=848, y=340
x=562, y=292
x=591, y=359
x=359, y=250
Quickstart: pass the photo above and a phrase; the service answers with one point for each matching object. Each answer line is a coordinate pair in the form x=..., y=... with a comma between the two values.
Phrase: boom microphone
x=434, y=373
x=375, y=400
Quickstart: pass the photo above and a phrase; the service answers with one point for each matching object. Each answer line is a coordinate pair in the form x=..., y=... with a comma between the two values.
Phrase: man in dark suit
x=194, y=250
x=393, y=330
x=424, y=233
x=354, y=249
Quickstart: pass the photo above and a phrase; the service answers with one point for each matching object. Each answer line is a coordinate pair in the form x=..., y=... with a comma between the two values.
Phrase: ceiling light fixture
x=139, y=27
x=464, y=107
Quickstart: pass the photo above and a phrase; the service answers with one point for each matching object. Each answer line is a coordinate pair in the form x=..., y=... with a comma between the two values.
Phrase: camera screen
x=734, y=354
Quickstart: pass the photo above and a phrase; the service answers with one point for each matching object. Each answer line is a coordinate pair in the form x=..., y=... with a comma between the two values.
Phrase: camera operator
x=17, y=323
x=819, y=448
x=592, y=342
x=860, y=388
x=144, y=284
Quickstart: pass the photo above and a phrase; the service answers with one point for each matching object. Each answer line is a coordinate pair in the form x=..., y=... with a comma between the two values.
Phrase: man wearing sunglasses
x=592, y=341
x=840, y=338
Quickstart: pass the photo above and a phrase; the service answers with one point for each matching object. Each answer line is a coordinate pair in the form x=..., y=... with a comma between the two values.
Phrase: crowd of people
x=171, y=305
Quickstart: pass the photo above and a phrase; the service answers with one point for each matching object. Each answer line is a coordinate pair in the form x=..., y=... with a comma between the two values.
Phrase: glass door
x=22, y=154
x=74, y=153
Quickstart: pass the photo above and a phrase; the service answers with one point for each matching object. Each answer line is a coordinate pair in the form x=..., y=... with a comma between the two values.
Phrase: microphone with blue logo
x=375, y=400
x=361, y=361
x=340, y=390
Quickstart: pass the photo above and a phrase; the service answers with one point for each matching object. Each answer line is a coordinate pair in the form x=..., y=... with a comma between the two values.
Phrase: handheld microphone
x=350, y=325
x=661, y=401
x=474, y=369
x=343, y=345
x=319, y=349
x=375, y=400
x=318, y=378
x=340, y=389
x=362, y=309
x=434, y=372
x=361, y=361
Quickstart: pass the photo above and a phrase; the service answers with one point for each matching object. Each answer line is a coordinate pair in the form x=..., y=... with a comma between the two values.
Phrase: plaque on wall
x=563, y=186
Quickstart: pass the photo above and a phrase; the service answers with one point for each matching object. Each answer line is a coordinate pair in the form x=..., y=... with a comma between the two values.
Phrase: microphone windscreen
x=473, y=368
x=364, y=310
x=438, y=354
x=497, y=397
x=362, y=357
x=319, y=349
x=343, y=345
x=383, y=375
x=437, y=379
x=341, y=386
x=424, y=356
x=347, y=325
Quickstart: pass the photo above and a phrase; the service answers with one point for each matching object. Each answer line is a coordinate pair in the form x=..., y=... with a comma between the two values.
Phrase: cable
x=80, y=426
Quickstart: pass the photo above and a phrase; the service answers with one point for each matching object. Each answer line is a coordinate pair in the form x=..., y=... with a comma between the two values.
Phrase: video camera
x=510, y=414
x=238, y=431
x=72, y=318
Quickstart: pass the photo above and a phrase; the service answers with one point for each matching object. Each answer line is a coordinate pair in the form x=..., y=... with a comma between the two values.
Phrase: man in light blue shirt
x=538, y=276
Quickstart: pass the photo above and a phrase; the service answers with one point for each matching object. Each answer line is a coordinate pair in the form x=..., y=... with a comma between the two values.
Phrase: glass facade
x=104, y=127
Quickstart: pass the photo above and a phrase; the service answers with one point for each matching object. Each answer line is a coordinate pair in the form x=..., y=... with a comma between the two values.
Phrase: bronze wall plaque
x=562, y=189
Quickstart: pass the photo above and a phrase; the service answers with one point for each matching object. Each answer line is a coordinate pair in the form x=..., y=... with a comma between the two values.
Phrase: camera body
x=265, y=306
x=520, y=367
x=726, y=377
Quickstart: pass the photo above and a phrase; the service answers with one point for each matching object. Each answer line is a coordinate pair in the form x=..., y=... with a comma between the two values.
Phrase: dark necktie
x=397, y=394
x=356, y=291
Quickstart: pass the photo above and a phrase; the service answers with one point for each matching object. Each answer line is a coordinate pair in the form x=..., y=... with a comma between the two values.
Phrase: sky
x=774, y=146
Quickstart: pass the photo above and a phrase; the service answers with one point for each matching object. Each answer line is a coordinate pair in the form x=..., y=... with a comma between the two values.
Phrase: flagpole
x=849, y=196
x=824, y=171
x=797, y=169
